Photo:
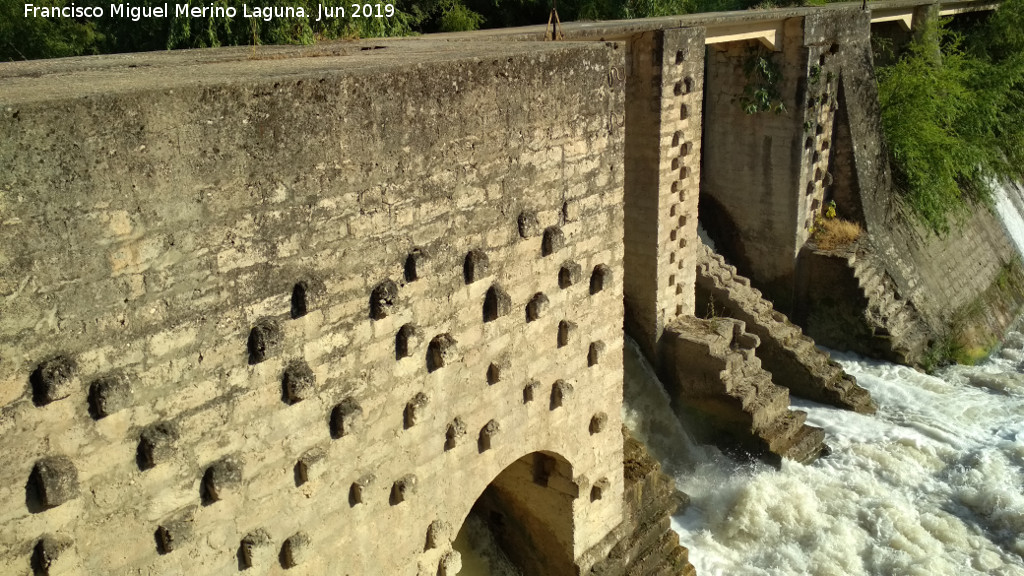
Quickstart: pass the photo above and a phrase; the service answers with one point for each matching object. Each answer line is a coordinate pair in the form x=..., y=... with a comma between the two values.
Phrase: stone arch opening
x=523, y=519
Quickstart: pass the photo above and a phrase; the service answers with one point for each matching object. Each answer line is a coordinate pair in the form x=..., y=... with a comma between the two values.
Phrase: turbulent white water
x=1009, y=203
x=933, y=484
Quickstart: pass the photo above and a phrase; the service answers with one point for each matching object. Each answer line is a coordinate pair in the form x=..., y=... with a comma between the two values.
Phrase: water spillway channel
x=933, y=484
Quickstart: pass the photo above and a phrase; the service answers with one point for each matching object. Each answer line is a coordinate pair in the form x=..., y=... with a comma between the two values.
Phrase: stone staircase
x=790, y=355
x=892, y=319
x=644, y=544
x=716, y=377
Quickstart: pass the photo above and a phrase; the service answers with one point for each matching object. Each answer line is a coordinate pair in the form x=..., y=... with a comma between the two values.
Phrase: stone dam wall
x=304, y=310
x=257, y=313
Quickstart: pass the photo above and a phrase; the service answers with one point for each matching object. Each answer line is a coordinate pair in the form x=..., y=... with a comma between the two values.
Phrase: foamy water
x=933, y=484
x=1009, y=204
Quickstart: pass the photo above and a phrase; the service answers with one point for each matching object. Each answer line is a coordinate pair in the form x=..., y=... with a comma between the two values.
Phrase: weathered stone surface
x=553, y=241
x=561, y=393
x=417, y=264
x=438, y=534
x=497, y=303
x=487, y=435
x=456, y=430
x=249, y=177
x=476, y=266
x=311, y=466
x=451, y=564
x=529, y=224
x=440, y=352
x=537, y=306
x=569, y=274
x=407, y=341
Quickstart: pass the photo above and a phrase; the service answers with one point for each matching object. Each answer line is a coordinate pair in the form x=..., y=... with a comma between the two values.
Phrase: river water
x=933, y=484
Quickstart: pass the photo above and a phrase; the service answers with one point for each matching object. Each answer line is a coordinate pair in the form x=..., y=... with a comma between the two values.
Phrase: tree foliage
x=24, y=38
x=953, y=114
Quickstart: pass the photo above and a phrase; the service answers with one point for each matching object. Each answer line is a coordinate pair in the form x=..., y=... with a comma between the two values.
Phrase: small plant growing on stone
x=761, y=94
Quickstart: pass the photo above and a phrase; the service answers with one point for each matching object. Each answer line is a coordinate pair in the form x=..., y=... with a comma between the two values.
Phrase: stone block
x=415, y=410
x=174, y=533
x=416, y=264
x=307, y=295
x=298, y=382
x=553, y=241
x=297, y=549
x=403, y=489
x=487, y=435
x=440, y=352
x=537, y=306
x=311, y=466
x=561, y=392
x=406, y=341
x=346, y=417
x=383, y=299
x=220, y=478
x=265, y=340
x=598, y=423
x=600, y=278
x=476, y=266
x=456, y=430
x=109, y=394
x=450, y=564
x=358, y=491
x=157, y=444
x=54, y=380
x=529, y=224
x=530, y=391
x=256, y=549
x=566, y=333
x=439, y=535
x=54, y=480
x=569, y=274
x=52, y=555
x=595, y=353
x=497, y=303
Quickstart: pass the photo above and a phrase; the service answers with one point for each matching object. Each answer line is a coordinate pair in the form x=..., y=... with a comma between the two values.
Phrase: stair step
x=807, y=445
